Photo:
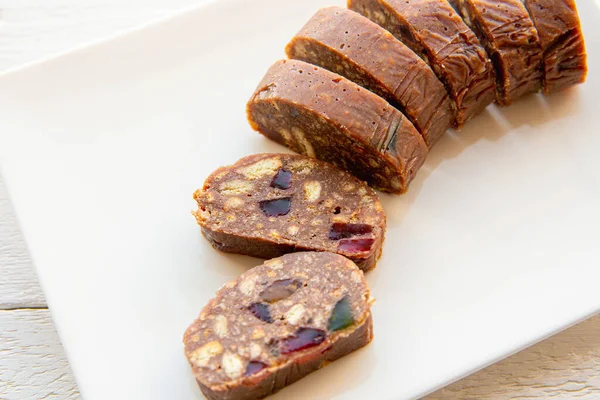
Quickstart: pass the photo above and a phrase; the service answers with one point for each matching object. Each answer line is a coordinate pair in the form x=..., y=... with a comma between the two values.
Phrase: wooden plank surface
x=32, y=363
x=19, y=287
x=564, y=367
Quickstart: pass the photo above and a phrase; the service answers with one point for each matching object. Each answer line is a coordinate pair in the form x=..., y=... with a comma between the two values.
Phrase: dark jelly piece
x=304, y=338
x=280, y=290
x=277, y=207
x=254, y=367
x=341, y=230
x=341, y=316
x=275, y=352
x=283, y=180
x=261, y=311
x=354, y=246
x=391, y=145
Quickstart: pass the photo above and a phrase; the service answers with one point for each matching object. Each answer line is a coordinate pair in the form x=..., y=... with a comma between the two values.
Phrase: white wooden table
x=32, y=362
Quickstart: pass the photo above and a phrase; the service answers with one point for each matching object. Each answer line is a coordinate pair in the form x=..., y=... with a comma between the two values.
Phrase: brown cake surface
x=351, y=45
x=563, y=45
x=511, y=40
x=435, y=31
x=324, y=115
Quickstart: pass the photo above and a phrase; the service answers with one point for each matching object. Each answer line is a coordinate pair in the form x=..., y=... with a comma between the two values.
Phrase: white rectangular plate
x=495, y=246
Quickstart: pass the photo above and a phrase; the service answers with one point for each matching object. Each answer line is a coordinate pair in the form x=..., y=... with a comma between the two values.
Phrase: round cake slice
x=321, y=114
x=435, y=31
x=353, y=46
x=559, y=29
x=277, y=323
x=267, y=205
x=512, y=42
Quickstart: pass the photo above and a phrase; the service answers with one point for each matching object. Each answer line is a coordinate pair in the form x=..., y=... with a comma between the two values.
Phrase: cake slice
x=277, y=323
x=267, y=205
x=324, y=115
x=563, y=45
x=511, y=40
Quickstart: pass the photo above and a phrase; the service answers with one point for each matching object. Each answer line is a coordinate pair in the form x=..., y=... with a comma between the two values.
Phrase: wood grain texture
x=34, y=29
x=18, y=284
x=32, y=363
x=566, y=366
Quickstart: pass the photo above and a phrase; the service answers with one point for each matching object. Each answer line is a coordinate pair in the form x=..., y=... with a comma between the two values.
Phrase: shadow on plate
x=534, y=111
x=491, y=125
x=226, y=264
